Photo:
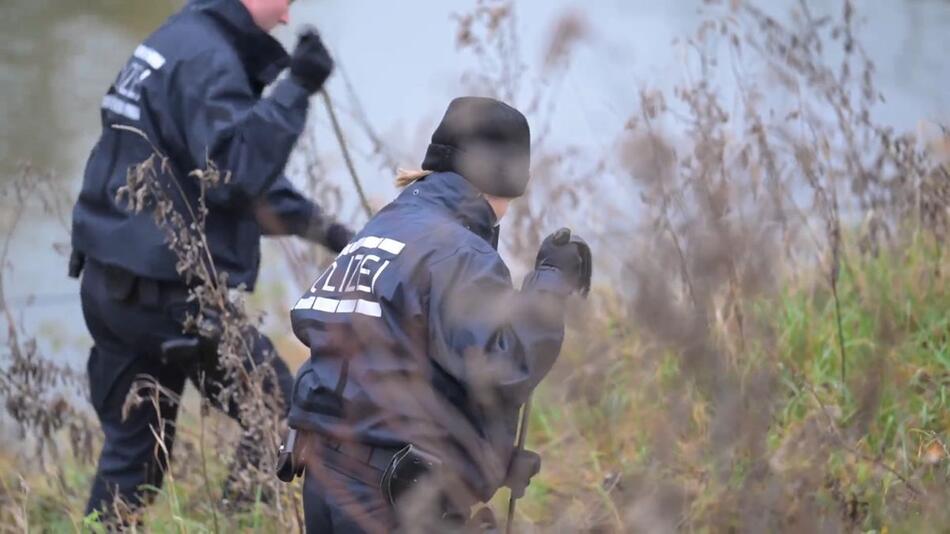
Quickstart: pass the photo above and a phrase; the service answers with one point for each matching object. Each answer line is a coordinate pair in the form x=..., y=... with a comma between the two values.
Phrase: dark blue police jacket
x=417, y=335
x=194, y=89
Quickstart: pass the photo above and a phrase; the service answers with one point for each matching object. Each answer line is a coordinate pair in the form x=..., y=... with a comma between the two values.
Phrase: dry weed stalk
x=220, y=314
x=37, y=392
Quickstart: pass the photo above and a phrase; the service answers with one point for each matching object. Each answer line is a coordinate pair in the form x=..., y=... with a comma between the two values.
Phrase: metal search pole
x=522, y=434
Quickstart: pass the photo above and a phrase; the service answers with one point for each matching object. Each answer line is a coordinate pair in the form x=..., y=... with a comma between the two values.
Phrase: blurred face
x=267, y=14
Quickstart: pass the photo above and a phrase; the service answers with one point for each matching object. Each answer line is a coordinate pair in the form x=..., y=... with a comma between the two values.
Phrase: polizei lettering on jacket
x=348, y=285
x=126, y=92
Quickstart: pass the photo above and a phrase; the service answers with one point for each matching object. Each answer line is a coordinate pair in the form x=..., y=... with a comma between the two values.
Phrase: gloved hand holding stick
x=311, y=64
x=571, y=255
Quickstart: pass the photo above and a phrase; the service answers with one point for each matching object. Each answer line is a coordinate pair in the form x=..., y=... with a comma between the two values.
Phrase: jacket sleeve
x=224, y=122
x=284, y=210
x=499, y=341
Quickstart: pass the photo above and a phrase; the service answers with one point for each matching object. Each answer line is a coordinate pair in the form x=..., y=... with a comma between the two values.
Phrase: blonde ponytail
x=406, y=177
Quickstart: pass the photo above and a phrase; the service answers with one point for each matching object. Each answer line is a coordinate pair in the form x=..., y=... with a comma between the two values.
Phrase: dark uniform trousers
x=340, y=500
x=335, y=503
x=129, y=319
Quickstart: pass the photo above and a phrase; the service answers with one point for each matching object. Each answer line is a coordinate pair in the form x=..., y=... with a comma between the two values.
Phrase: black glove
x=522, y=468
x=568, y=254
x=311, y=63
x=338, y=237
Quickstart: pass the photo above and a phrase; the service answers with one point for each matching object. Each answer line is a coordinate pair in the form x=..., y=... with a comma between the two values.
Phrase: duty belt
x=365, y=463
x=392, y=471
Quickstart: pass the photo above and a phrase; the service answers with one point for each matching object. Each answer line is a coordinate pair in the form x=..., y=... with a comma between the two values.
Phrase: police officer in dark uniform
x=422, y=351
x=194, y=89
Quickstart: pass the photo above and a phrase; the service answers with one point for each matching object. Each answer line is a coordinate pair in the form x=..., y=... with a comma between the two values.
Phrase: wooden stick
x=346, y=153
x=522, y=433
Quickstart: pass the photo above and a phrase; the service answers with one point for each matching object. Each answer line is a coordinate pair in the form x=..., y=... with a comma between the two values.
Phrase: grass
x=888, y=420
x=631, y=439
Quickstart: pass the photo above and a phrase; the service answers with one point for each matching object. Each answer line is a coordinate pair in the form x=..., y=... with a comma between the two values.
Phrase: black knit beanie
x=486, y=141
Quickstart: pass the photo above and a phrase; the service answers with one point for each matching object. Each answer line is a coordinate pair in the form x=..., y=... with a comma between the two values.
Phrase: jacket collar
x=453, y=193
x=261, y=54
